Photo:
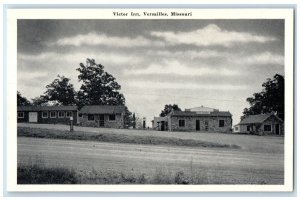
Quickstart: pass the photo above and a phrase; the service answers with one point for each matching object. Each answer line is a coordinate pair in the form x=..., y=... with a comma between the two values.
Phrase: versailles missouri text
x=154, y=14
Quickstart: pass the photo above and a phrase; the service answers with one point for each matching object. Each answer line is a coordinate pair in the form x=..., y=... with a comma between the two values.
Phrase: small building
x=47, y=114
x=202, y=119
x=107, y=116
x=261, y=124
x=160, y=123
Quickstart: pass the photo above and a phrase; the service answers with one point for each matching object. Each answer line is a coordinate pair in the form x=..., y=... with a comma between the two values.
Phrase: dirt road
x=231, y=166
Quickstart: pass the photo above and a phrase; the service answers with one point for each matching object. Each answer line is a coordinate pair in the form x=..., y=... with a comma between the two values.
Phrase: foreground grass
x=107, y=137
x=37, y=174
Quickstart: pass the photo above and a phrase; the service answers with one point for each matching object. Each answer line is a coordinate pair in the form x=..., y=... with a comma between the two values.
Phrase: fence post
x=71, y=124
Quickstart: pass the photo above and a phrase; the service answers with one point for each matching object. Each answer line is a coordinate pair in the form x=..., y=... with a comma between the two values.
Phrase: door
x=101, y=120
x=33, y=117
x=197, y=125
x=162, y=126
x=206, y=125
x=277, y=132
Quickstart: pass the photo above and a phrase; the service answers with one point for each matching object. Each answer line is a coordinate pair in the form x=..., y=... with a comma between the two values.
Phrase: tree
x=133, y=121
x=128, y=118
x=270, y=99
x=60, y=91
x=40, y=101
x=22, y=101
x=168, y=108
x=99, y=87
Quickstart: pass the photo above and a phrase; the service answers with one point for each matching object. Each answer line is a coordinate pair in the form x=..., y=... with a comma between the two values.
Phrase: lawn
x=109, y=137
x=252, y=143
x=121, y=156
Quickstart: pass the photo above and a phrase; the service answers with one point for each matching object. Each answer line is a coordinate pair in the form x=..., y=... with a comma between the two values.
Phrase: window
x=20, y=114
x=61, y=114
x=80, y=115
x=221, y=123
x=267, y=127
x=69, y=114
x=52, y=114
x=44, y=114
x=181, y=123
x=91, y=117
x=112, y=117
x=236, y=128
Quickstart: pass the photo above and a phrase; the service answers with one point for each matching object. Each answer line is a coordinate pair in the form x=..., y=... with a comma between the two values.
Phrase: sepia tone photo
x=151, y=101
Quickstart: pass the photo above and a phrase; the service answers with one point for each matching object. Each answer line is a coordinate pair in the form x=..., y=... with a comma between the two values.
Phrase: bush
x=41, y=175
x=180, y=178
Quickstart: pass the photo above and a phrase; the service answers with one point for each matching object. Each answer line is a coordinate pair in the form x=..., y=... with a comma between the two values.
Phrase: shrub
x=41, y=175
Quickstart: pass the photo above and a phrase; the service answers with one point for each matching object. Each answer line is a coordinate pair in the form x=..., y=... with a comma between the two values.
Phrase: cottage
x=202, y=119
x=107, y=116
x=47, y=114
x=261, y=124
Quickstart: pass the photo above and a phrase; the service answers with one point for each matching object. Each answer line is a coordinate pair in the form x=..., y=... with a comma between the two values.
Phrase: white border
x=14, y=14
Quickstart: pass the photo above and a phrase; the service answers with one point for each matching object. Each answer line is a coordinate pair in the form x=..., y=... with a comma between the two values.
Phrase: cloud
x=34, y=76
x=211, y=35
x=190, y=54
x=94, y=39
x=187, y=86
x=261, y=59
x=102, y=57
x=174, y=67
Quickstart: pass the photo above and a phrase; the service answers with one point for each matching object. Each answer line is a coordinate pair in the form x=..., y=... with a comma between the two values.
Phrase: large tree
x=22, y=101
x=168, y=108
x=60, y=91
x=270, y=99
x=99, y=87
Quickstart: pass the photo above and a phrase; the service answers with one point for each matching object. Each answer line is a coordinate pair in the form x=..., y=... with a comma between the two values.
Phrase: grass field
x=107, y=137
x=252, y=143
x=128, y=156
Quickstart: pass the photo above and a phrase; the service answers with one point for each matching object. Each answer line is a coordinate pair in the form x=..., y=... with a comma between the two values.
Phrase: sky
x=214, y=63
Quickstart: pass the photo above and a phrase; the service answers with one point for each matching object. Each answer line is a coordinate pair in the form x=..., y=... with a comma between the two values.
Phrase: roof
x=257, y=119
x=46, y=108
x=201, y=109
x=195, y=114
x=102, y=109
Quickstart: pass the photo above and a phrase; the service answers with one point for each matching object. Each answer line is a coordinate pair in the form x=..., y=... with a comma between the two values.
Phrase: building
x=107, y=116
x=47, y=114
x=261, y=124
x=160, y=123
x=202, y=119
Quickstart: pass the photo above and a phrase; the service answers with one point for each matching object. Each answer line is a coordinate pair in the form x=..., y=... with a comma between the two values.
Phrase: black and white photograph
x=153, y=97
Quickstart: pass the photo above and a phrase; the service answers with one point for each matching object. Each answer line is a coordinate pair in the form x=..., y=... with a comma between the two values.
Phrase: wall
x=260, y=127
x=190, y=124
x=161, y=120
x=25, y=119
x=270, y=121
x=48, y=120
x=118, y=123
x=236, y=129
x=243, y=129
